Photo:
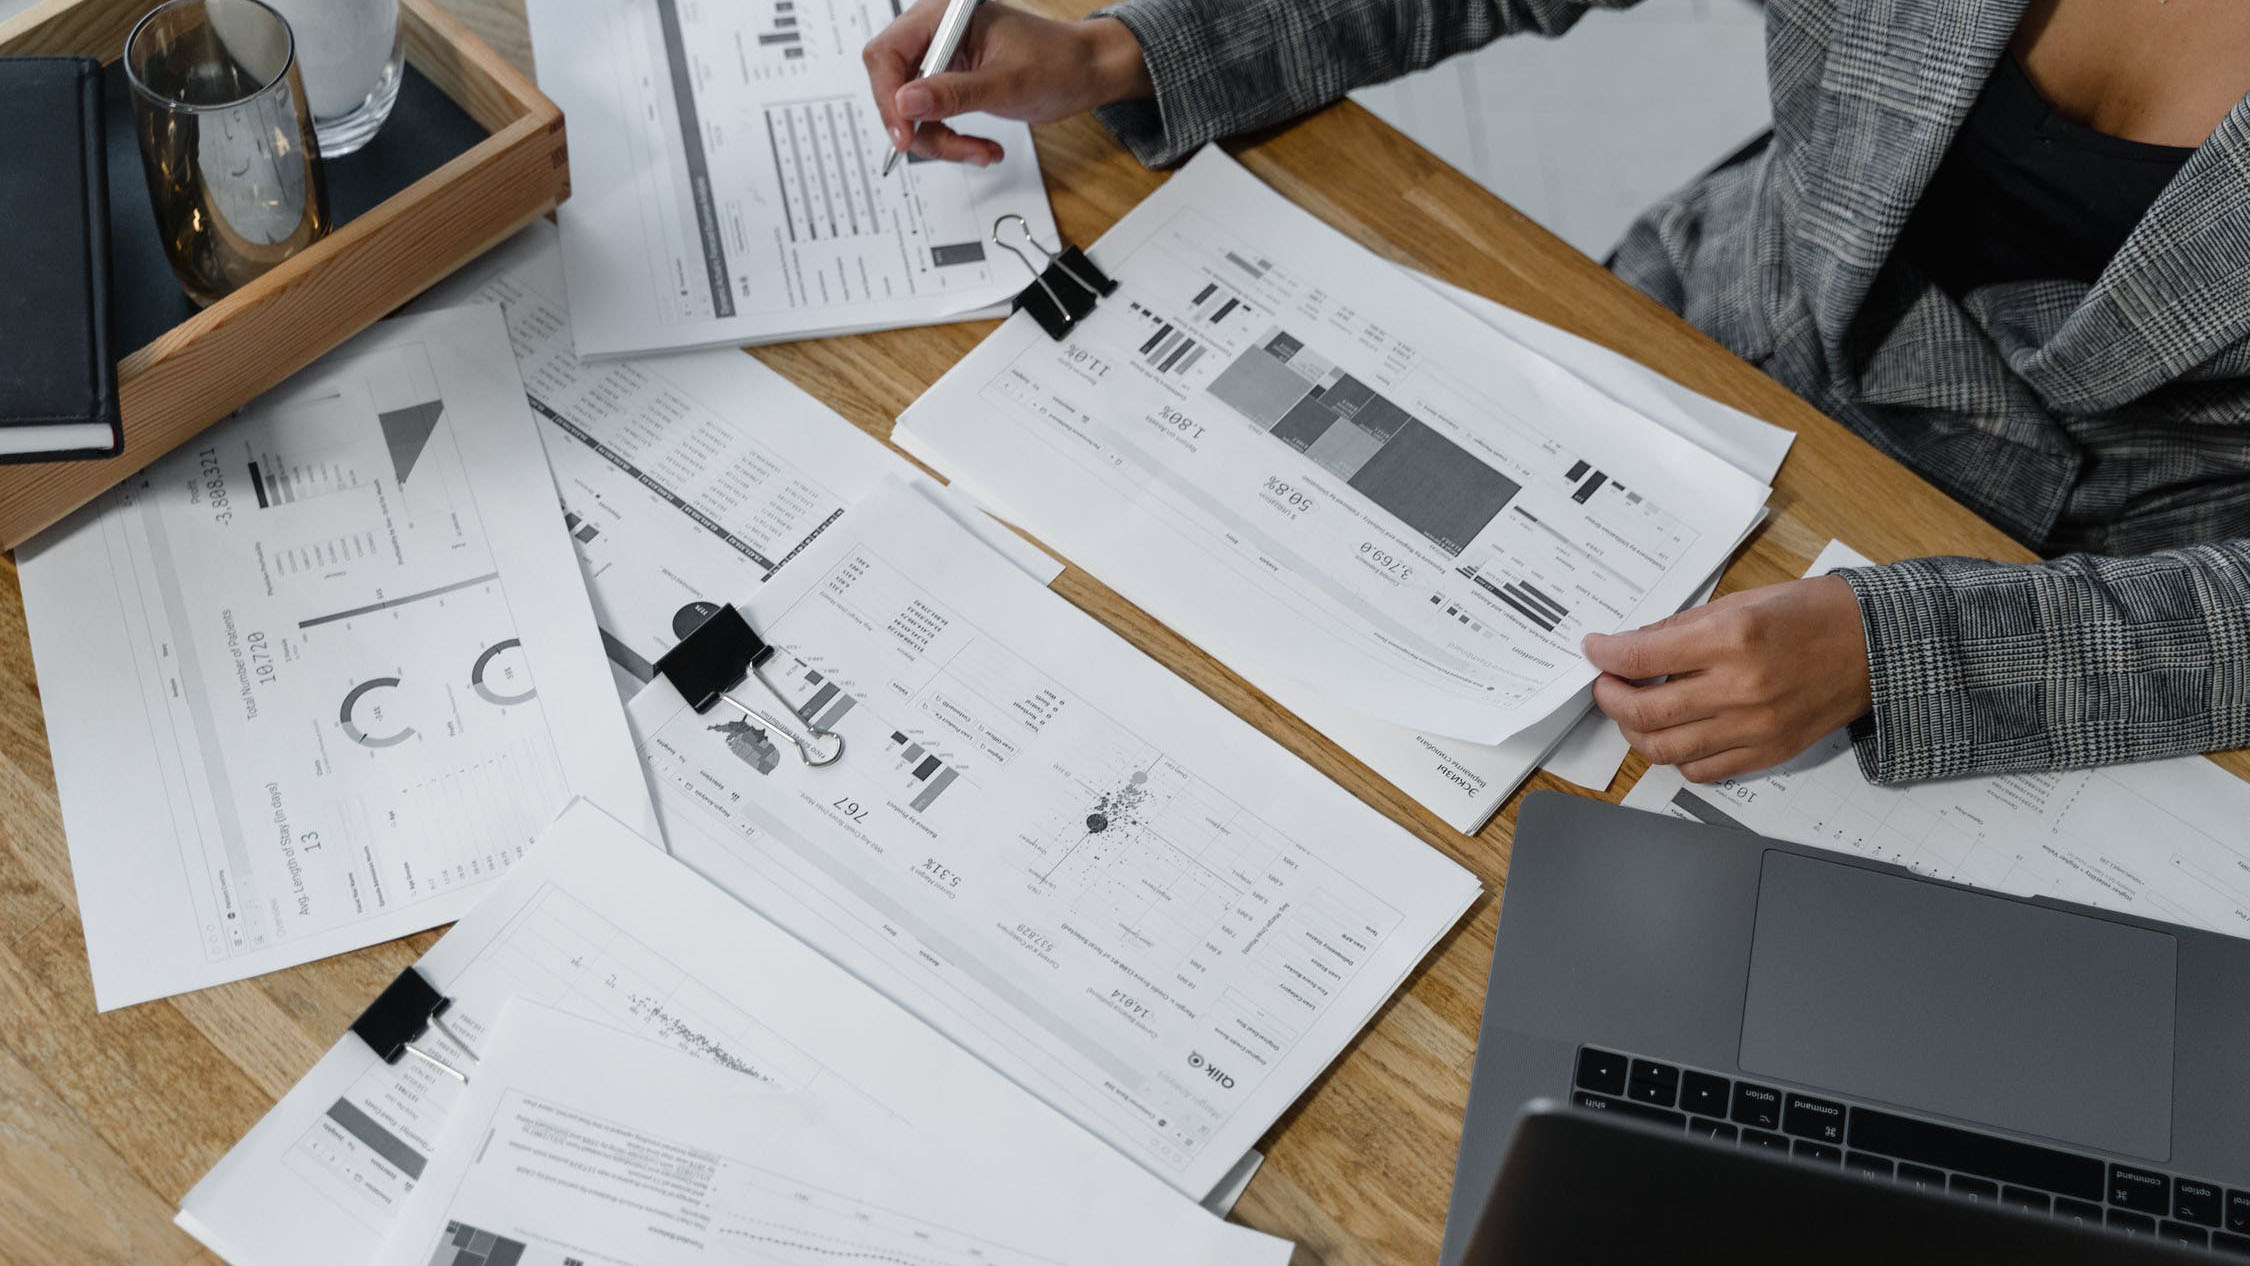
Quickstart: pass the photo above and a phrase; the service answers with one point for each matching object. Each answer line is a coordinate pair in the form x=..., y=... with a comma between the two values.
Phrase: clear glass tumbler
x=352, y=54
x=226, y=141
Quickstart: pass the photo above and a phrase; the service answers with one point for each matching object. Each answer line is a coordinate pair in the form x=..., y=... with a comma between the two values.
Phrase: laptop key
x=1704, y=1094
x=2078, y=1211
x=2131, y=1223
x=2196, y=1202
x=1757, y=1106
x=1600, y=1071
x=2005, y=1160
x=1628, y=1108
x=1760, y=1138
x=1653, y=1083
x=1705, y=1127
x=1976, y=1189
x=2139, y=1190
x=2238, y=1212
x=1924, y=1178
x=2224, y=1242
x=2024, y=1198
x=2182, y=1233
x=1809, y=1150
x=1866, y=1164
x=1810, y=1118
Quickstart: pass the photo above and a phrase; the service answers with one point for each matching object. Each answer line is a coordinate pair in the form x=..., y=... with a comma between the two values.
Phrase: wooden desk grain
x=105, y=1121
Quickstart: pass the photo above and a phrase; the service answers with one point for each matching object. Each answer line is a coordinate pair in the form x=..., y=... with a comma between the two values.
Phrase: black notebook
x=58, y=375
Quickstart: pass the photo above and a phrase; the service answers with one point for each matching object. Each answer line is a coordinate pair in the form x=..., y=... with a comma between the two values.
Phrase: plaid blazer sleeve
x=1982, y=668
x=1227, y=66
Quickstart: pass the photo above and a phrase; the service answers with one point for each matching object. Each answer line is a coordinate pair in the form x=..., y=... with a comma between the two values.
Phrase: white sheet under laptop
x=685, y=479
x=2160, y=839
x=599, y=923
x=317, y=676
x=1283, y=447
x=1047, y=846
x=726, y=182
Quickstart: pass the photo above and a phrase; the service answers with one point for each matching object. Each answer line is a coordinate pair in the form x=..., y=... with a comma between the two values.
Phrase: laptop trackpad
x=1963, y=1005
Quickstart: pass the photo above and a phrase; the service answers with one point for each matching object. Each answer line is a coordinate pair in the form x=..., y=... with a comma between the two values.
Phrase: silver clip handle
x=818, y=748
x=1037, y=274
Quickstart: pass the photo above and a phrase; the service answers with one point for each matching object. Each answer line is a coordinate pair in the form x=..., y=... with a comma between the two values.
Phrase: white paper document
x=315, y=677
x=1746, y=443
x=1047, y=846
x=1590, y=753
x=1464, y=782
x=1285, y=448
x=726, y=182
x=603, y=925
x=2162, y=839
x=685, y=480
x=576, y=1143
x=1593, y=749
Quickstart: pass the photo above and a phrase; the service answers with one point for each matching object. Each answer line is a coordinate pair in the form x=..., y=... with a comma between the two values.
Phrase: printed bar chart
x=781, y=31
x=827, y=705
x=934, y=775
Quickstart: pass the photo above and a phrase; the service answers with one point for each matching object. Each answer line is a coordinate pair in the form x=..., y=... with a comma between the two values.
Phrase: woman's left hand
x=1750, y=679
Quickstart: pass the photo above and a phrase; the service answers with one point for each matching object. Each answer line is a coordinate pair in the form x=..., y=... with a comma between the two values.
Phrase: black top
x=2025, y=194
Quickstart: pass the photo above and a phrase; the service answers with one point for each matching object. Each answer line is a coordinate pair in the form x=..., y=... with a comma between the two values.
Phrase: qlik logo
x=1211, y=1070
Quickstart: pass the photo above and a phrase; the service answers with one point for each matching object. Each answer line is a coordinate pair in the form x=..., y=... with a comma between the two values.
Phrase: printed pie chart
x=500, y=667
x=352, y=729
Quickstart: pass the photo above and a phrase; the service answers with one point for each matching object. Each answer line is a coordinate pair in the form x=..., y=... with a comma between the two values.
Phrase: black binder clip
x=403, y=1012
x=1065, y=291
x=720, y=654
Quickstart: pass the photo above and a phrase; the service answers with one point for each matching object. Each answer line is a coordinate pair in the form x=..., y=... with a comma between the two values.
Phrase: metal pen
x=943, y=44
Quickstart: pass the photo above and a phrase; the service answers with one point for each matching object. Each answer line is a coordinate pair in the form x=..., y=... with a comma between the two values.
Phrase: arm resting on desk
x=1981, y=667
x=1227, y=66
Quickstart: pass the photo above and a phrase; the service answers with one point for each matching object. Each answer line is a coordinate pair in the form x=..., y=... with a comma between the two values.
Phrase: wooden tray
x=185, y=377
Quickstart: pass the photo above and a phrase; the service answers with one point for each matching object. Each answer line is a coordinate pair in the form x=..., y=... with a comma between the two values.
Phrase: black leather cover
x=56, y=363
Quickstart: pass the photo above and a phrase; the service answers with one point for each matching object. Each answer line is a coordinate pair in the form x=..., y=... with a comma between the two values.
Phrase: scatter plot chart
x=1118, y=808
x=1150, y=852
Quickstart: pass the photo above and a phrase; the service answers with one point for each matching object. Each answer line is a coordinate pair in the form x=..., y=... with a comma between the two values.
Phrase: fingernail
x=914, y=101
x=901, y=136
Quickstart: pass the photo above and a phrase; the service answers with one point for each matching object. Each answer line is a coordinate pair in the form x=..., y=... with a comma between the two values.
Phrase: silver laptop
x=1582, y=1188
x=2041, y=1058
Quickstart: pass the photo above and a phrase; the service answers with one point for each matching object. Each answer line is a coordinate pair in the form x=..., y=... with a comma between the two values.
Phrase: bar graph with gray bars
x=934, y=775
x=352, y=1120
x=827, y=705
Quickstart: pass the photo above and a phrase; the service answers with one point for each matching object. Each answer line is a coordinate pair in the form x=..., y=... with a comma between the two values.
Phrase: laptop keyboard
x=1924, y=1154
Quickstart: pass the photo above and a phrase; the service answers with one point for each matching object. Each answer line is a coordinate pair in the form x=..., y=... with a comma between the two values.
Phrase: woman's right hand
x=1011, y=63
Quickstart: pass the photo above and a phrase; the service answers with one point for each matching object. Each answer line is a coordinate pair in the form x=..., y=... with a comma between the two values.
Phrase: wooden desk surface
x=105, y=1121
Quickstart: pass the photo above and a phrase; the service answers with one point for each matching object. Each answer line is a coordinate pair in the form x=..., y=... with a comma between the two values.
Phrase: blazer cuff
x=1919, y=724
x=1186, y=111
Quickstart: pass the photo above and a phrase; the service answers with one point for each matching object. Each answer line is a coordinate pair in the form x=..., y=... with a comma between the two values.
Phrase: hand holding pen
x=1006, y=62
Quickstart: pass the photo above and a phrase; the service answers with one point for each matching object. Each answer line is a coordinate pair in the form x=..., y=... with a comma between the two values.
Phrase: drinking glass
x=352, y=55
x=226, y=141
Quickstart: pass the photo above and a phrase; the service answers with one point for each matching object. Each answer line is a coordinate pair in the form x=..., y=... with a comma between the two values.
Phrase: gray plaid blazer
x=2106, y=427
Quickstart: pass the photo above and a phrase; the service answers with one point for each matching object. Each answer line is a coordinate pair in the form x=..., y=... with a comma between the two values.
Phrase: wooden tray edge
x=244, y=345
